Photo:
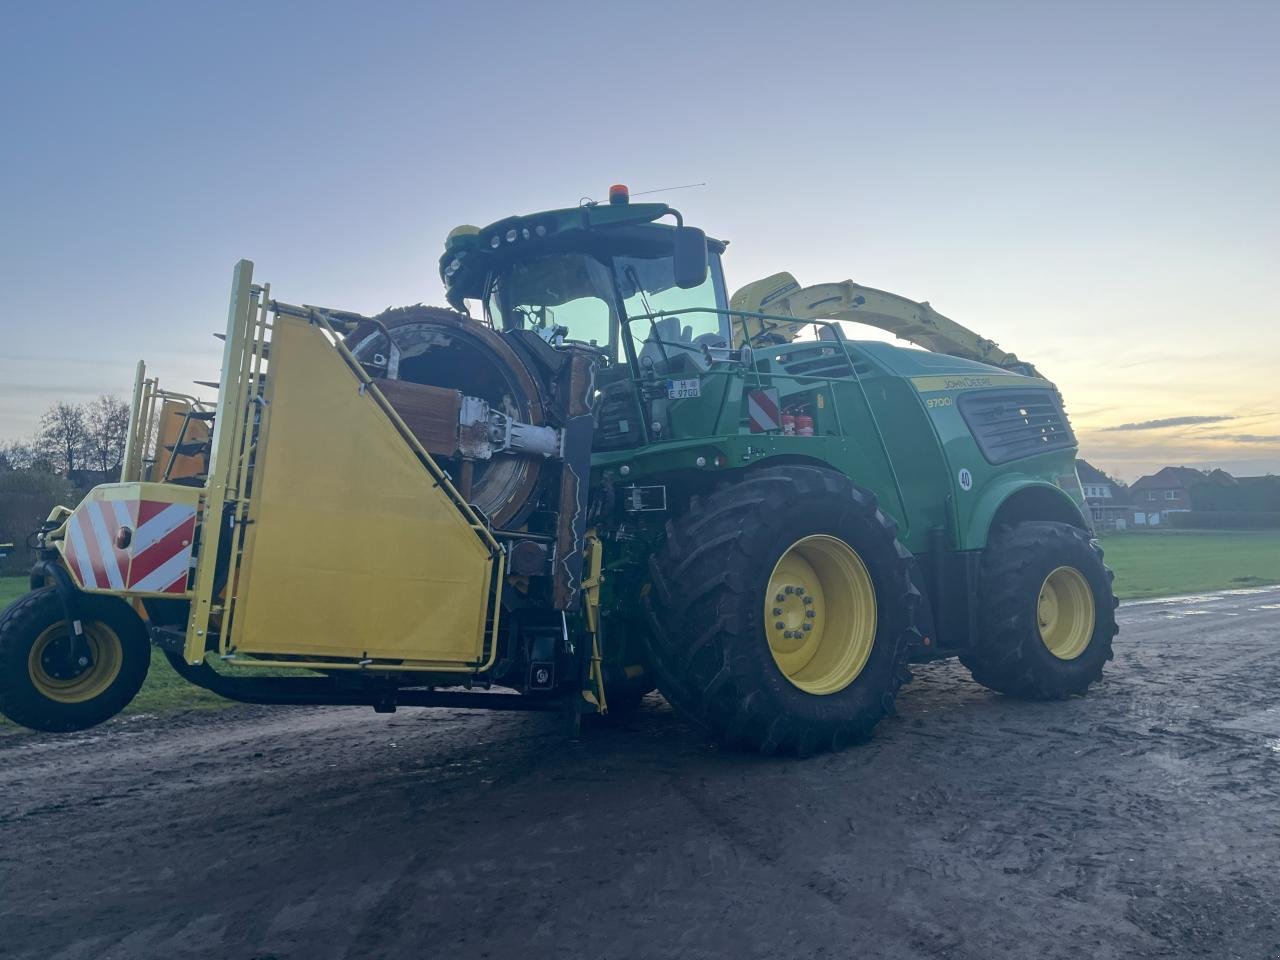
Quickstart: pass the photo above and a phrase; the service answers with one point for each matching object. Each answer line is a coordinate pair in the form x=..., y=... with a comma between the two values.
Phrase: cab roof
x=472, y=253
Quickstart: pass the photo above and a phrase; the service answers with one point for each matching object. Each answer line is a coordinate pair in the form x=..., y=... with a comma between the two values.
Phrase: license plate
x=684, y=389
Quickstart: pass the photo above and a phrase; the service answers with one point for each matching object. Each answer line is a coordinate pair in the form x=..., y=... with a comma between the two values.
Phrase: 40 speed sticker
x=965, y=478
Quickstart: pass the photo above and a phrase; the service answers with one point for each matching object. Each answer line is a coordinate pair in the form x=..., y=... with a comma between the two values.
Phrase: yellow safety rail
x=145, y=457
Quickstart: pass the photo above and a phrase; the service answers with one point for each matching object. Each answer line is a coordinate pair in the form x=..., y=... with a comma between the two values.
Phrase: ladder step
x=206, y=415
x=190, y=449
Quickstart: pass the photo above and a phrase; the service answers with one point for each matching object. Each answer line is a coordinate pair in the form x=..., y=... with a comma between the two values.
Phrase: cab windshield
x=589, y=295
x=570, y=290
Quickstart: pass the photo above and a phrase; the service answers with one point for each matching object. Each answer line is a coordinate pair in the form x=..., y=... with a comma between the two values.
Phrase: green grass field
x=1170, y=562
x=1149, y=564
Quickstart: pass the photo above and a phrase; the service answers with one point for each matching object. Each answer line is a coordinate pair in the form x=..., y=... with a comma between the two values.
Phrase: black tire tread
x=1008, y=657
x=697, y=595
x=24, y=620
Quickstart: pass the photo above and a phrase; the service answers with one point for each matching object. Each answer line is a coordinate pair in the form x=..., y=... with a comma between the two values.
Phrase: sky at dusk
x=1093, y=185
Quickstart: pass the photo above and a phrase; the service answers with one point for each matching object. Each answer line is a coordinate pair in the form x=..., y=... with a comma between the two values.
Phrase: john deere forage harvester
x=595, y=474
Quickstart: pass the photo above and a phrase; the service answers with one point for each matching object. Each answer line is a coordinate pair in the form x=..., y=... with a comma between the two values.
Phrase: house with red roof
x=1154, y=496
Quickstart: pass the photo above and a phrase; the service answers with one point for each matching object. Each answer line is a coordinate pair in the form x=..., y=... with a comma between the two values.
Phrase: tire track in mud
x=1138, y=821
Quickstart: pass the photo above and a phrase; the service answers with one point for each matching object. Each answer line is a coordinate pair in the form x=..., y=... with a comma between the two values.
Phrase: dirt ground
x=1140, y=821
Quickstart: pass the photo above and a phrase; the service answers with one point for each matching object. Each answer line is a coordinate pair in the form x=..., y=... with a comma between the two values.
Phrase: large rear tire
x=45, y=686
x=782, y=612
x=1047, y=614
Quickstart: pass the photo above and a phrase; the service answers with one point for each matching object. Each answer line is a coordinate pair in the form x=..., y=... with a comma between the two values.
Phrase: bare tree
x=106, y=424
x=16, y=455
x=62, y=436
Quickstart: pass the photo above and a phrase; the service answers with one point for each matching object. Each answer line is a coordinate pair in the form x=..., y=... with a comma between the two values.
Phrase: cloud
x=1244, y=437
x=1166, y=422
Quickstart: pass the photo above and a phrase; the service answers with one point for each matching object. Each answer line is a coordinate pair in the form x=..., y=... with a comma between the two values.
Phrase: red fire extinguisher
x=804, y=425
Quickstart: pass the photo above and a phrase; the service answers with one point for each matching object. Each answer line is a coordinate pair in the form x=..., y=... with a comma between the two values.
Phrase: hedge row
x=1224, y=520
x=26, y=497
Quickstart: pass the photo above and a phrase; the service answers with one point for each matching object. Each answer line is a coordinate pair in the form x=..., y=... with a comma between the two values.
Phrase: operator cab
x=589, y=296
x=600, y=276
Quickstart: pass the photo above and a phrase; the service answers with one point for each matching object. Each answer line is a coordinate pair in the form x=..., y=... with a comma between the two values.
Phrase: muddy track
x=1140, y=821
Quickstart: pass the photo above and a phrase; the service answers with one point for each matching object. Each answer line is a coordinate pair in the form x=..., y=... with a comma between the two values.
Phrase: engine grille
x=1012, y=424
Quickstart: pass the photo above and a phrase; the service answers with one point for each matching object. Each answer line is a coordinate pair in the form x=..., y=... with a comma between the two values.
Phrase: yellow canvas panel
x=352, y=550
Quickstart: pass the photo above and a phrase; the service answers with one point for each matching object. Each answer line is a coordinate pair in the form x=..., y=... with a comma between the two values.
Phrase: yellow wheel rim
x=820, y=614
x=1065, y=613
x=75, y=684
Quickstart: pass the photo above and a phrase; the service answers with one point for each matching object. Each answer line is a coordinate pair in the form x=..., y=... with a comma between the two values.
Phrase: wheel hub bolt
x=777, y=611
x=811, y=613
x=780, y=597
x=779, y=625
x=799, y=591
x=808, y=627
x=83, y=661
x=808, y=601
x=789, y=589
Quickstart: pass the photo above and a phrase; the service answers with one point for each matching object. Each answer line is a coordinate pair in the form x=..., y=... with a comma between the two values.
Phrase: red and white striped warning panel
x=133, y=546
x=763, y=410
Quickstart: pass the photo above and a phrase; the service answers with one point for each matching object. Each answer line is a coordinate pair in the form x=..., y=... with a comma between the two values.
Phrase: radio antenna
x=589, y=202
x=683, y=186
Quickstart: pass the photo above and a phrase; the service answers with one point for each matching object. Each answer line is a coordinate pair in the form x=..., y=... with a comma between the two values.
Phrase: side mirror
x=689, y=257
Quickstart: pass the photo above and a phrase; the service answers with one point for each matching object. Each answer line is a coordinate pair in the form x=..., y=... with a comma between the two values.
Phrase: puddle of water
x=1201, y=597
x=1264, y=722
x=1194, y=598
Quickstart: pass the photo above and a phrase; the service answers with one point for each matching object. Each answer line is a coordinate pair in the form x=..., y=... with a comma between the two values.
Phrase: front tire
x=44, y=687
x=782, y=612
x=1047, y=614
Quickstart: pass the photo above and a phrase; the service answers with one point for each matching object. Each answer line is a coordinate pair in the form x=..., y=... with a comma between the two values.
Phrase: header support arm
x=908, y=320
